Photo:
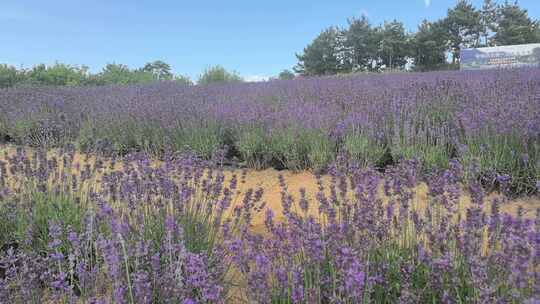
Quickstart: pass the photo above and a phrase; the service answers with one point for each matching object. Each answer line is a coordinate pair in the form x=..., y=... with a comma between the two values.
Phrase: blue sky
x=255, y=38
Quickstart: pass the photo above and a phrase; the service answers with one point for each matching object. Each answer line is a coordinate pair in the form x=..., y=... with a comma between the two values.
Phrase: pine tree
x=514, y=26
x=489, y=21
x=323, y=55
x=363, y=43
x=394, y=45
x=430, y=45
x=464, y=25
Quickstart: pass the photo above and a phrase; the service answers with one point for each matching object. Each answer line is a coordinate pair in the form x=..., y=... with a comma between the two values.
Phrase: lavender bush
x=131, y=230
x=364, y=248
x=487, y=117
x=115, y=231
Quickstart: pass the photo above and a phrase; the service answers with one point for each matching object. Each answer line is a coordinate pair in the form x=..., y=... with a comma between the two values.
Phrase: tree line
x=359, y=47
x=435, y=45
x=60, y=74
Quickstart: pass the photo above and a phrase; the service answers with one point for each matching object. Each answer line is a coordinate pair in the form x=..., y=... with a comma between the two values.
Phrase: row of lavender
x=489, y=117
x=181, y=232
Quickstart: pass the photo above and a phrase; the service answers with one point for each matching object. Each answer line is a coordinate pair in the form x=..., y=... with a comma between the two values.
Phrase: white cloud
x=256, y=78
x=427, y=2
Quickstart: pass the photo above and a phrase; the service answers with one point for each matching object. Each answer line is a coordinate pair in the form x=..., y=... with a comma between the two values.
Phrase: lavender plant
x=489, y=117
x=108, y=230
x=352, y=245
x=130, y=230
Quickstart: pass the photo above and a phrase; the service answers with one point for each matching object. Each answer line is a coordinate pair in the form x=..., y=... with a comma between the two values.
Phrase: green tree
x=514, y=26
x=181, y=79
x=489, y=21
x=430, y=46
x=322, y=56
x=58, y=74
x=363, y=42
x=218, y=74
x=286, y=75
x=464, y=24
x=160, y=70
x=114, y=73
x=10, y=76
x=394, y=45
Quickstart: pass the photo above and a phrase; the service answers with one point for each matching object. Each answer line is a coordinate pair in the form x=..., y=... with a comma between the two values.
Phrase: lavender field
x=88, y=229
x=491, y=118
x=140, y=194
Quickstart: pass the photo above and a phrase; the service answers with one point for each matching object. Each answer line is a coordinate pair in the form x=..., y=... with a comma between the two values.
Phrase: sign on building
x=509, y=56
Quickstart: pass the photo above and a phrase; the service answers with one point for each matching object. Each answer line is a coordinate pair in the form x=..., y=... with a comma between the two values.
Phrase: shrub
x=218, y=74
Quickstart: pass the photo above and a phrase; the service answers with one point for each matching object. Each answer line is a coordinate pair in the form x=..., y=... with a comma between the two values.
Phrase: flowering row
x=131, y=230
x=488, y=117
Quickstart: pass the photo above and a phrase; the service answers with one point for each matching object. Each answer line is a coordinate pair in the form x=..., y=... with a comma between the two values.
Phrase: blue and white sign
x=510, y=56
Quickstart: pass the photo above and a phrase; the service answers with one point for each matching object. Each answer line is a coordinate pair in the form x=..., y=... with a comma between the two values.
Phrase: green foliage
x=46, y=207
x=61, y=74
x=362, y=42
x=322, y=56
x=58, y=74
x=362, y=47
x=159, y=69
x=286, y=75
x=10, y=76
x=322, y=150
x=362, y=148
x=122, y=74
x=124, y=135
x=13, y=224
x=430, y=46
x=181, y=79
x=59, y=208
x=203, y=139
x=431, y=156
x=488, y=21
x=394, y=45
x=293, y=148
x=218, y=74
x=290, y=148
x=464, y=24
x=31, y=132
x=504, y=155
x=253, y=145
x=514, y=26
